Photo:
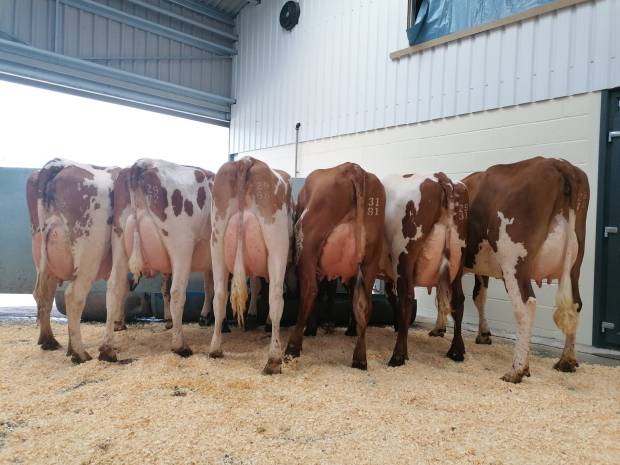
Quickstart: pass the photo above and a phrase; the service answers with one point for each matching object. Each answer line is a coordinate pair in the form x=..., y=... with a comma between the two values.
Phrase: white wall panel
x=333, y=74
x=566, y=127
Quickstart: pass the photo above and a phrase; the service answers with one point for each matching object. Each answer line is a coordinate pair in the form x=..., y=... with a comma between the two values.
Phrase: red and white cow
x=425, y=226
x=252, y=233
x=527, y=221
x=339, y=233
x=70, y=207
x=162, y=224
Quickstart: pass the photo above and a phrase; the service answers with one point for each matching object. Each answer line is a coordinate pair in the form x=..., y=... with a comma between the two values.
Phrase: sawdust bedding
x=163, y=409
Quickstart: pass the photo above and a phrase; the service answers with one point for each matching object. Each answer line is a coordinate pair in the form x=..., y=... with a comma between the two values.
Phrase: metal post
x=297, y=126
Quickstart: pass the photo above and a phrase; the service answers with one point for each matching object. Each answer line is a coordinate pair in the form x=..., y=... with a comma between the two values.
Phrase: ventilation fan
x=289, y=15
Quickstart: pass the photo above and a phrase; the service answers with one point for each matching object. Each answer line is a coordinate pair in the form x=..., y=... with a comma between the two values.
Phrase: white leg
x=180, y=277
x=480, y=300
x=116, y=292
x=220, y=285
x=207, y=306
x=75, y=298
x=524, y=313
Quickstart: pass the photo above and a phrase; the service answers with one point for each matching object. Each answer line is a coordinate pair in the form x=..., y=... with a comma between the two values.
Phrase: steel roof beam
x=170, y=14
x=201, y=8
x=146, y=25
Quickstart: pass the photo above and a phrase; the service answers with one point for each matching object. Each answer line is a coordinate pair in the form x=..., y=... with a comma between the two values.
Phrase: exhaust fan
x=289, y=15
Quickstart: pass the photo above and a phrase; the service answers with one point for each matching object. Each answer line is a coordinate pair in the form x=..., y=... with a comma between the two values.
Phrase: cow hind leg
x=403, y=316
x=207, y=305
x=308, y=293
x=457, y=304
x=44, y=296
x=180, y=277
x=75, y=298
x=277, y=268
x=524, y=309
x=481, y=287
x=220, y=296
x=362, y=308
x=352, y=326
x=116, y=292
x=566, y=317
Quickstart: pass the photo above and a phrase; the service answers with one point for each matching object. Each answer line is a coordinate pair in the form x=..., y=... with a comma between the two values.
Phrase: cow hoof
x=483, y=338
x=352, y=332
x=120, y=326
x=273, y=367
x=49, y=343
x=216, y=353
x=329, y=328
x=107, y=354
x=397, y=360
x=310, y=332
x=202, y=321
x=437, y=332
x=183, y=351
x=292, y=352
x=250, y=323
x=77, y=358
x=566, y=366
x=225, y=327
x=168, y=323
x=456, y=355
x=515, y=376
x=359, y=365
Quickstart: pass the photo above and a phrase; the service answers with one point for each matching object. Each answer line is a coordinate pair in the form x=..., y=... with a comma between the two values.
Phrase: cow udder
x=338, y=257
x=254, y=250
x=154, y=254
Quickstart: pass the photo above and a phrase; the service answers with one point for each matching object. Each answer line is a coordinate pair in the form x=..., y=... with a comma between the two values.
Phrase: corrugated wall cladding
x=101, y=40
x=332, y=73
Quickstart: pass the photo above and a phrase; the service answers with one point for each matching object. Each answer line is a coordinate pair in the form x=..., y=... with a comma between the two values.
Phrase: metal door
x=607, y=313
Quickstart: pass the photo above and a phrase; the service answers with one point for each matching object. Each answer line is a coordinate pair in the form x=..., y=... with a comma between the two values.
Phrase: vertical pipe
x=297, y=126
x=57, y=27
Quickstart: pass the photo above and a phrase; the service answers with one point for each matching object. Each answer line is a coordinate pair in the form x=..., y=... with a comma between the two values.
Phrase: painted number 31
x=373, y=206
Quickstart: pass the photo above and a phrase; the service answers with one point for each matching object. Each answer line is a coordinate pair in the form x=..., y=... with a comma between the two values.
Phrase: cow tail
x=45, y=198
x=360, y=300
x=576, y=192
x=238, y=287
x=136, y=261
x=444, y=288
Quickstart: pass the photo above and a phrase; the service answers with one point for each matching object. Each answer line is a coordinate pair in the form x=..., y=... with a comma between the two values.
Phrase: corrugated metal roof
x=231, y=7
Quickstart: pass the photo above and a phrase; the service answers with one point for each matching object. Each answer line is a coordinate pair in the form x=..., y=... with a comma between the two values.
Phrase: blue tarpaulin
x=438, y=18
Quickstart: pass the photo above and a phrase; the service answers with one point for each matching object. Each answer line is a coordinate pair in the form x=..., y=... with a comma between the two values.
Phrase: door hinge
x=610, y=230
x=612, y=135
x=605, y=325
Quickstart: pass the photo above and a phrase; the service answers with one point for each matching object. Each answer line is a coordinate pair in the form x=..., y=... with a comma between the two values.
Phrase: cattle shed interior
x=343, y=84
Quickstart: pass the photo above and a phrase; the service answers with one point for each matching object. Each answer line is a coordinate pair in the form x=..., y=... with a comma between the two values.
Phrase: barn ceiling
x=172, y=56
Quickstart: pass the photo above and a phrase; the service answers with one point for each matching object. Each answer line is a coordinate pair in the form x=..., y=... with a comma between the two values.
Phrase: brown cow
x=527, y=222
x=252, y=233
x=71, y=215
x=339, y=233
x=161, y=225
x=425, y=226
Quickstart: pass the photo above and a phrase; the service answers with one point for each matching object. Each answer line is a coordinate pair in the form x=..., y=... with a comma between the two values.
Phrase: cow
x=425, y=227
x=338, y=233
x=162, y=224
x=70, y=206
x=527, y=222
x=252, y=233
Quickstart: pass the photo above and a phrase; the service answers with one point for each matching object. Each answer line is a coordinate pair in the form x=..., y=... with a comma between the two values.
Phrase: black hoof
x=273, y=367
x=168, y=323
x=107, y=354
x=49, y=344
x=437, y=332
x=310, y=332
x=352, y=332
x=120, y=326
x=397, y=360
x=483, y=338
x=292, y=351
x=183, y=352
x=77, y=359
x=455, y=355
x=359, y=365
x=566, y=366
x=216, y=354
x=202, y=321
x=225, y=327
x=250, y=323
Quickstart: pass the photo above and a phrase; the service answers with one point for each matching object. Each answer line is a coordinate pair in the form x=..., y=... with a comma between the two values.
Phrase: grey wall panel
x=333, y=74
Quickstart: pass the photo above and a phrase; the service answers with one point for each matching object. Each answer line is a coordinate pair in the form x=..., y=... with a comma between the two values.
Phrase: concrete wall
x=566, y=127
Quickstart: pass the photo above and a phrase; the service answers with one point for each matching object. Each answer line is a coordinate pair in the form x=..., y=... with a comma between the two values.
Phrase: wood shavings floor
x=162, y=409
